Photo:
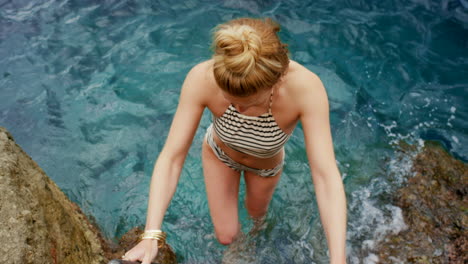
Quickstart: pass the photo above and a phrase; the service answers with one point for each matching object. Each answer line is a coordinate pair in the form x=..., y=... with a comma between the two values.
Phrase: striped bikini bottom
x=223, y=157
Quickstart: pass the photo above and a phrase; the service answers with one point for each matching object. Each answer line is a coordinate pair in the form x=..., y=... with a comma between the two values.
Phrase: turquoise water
x=89, y=88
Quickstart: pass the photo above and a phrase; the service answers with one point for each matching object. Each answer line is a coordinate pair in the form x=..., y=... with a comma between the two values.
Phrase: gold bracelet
x=158, y=235
x=153, y=230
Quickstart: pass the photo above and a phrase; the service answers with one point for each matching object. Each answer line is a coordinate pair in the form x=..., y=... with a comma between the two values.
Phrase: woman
x=257, y=96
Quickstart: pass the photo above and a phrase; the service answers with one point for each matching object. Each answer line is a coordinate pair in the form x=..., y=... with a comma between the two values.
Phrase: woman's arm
x=314, y=115
x=169, y=164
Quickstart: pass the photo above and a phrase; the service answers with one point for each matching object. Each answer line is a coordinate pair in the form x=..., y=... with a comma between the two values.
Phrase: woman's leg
x=259, y=191
x=222, y=188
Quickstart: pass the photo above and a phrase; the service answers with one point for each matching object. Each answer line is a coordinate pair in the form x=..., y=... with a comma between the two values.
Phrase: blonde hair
x=248, y=56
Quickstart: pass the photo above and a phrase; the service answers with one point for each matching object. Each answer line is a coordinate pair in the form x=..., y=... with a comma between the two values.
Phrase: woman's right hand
x=145, y=251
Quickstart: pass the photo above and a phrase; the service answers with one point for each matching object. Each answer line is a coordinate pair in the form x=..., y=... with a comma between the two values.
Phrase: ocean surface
x=89, y=88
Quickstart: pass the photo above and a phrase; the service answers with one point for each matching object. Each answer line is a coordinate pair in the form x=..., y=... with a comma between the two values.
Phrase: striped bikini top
x=259, y=136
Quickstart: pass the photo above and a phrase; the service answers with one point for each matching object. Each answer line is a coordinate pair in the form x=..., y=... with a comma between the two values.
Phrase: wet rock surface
x=435, y=209
x=41, y=225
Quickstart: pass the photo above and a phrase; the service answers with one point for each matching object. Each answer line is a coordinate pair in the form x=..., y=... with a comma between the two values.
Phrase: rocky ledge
x=41, y=225
x=435, y=209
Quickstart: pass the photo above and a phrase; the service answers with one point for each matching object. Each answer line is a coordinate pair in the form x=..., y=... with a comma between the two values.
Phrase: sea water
x=89, y=89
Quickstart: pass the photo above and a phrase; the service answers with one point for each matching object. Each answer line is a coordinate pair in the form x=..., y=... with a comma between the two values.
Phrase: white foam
x=380, y=221
x=368, y=244
x=398, y=223
x=377, y=220
x=453, y=109
x=388, y=129
x=420, y=144
x=371, y=259
x=455, y=139
x=383, y=221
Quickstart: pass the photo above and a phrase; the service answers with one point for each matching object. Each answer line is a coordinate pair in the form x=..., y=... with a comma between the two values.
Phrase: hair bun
x=239, y=47
x=248, y=56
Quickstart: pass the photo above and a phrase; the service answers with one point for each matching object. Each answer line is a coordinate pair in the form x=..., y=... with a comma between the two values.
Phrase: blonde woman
x=257, y=96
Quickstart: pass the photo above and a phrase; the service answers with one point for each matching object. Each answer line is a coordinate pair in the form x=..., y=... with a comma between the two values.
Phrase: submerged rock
x=435, y=209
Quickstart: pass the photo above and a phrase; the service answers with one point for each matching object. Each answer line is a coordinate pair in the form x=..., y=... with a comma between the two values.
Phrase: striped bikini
x=258, y=136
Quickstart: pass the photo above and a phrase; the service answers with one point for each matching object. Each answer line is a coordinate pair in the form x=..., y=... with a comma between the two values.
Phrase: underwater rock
x=39, y=223
x=434, y=204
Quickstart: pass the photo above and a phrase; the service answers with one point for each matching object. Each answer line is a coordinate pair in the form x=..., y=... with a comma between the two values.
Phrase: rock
x=434, y=204
x=39, y=223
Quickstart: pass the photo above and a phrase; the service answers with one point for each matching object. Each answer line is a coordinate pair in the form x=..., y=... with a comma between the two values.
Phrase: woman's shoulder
x=300, y=80
x=304, y=89
x=201, y=75
x=204, y=64
x=200, y=82
x=297, y=73
x=201, y=71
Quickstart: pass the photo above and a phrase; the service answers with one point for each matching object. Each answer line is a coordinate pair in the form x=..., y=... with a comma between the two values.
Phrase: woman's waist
x=249, y=160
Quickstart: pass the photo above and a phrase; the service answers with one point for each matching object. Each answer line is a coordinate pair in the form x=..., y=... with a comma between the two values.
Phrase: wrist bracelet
x=155, y=234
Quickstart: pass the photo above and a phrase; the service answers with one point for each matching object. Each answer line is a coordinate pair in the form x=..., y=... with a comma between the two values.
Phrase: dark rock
x=434, y=204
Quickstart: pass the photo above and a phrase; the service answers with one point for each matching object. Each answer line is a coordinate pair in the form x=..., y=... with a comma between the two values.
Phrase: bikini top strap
x=271, y=101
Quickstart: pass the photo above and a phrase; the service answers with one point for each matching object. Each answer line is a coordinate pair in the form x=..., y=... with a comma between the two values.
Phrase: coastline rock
x=434, y=204
x=39, y=223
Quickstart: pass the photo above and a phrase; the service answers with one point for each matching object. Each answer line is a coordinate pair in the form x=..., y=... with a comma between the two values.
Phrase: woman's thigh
x=222, y=188
x=259, y=191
